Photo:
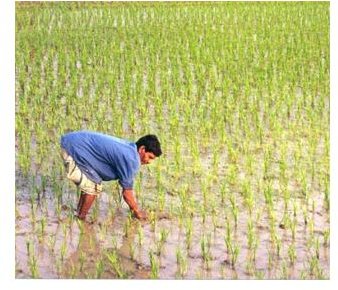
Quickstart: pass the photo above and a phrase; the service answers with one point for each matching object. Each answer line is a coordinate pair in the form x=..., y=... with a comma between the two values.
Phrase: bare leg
x=85, y=205
x=80, y=203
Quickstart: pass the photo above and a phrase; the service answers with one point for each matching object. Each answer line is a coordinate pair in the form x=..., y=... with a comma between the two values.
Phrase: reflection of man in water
x=89, y=251
x=91, y=158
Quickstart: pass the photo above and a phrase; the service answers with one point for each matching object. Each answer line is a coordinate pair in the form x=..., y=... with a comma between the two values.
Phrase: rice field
x=238, y=94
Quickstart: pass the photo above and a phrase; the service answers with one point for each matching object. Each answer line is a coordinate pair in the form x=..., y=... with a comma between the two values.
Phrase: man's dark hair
x=151, y=144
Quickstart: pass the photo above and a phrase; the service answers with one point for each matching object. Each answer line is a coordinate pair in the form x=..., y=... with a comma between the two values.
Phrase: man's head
x=149, y=148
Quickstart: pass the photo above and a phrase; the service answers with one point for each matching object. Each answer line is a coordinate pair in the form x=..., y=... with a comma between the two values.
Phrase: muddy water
x=65, y=248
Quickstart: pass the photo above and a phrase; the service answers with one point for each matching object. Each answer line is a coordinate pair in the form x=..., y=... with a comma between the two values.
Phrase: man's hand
x=130, y=200
x=141, y=215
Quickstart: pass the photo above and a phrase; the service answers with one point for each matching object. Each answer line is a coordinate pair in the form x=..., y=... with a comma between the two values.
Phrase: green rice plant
x=249, y=161
x=32, y=260
x=260, y=275
x=271, y=260
x=278, y=245
x=63, y=250
x=252, y=239
x=51, y=240
x=248, y=196
x=103, y=231
x=182, y=263
x=188, y=232
x=73, y=271
x=42, y=227
x=206, y=250
x=224, y=190
x=163, y=236
x=295, y=208
x=305, y=214
x=293, y=228
x=33, y=214
x=80, y=224
x=132, y=251
x=326, y=235
x=268, y=194
x=304, y=275
x=64, y=230
x=126, y=227
x=250, y=267
x=82, y=259
x=234, y=208
x=314, y=267
x=232, y=174
x=152, y=220
x=115, y=264
x=317, y=247
x=327, y=191
x=292, y=254
x=99, y=266
x=267, y=161
x=233, y=248
x=311, y=228
x=58, y=266
x=286, y=197
x=58, y=211
x=161, y=199
x=154, y=266
x=285, y=272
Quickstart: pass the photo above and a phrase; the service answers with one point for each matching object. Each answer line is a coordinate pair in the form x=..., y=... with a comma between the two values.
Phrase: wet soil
x=66, y=248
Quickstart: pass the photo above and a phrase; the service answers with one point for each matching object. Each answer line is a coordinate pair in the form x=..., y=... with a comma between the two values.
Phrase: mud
x=67, y=248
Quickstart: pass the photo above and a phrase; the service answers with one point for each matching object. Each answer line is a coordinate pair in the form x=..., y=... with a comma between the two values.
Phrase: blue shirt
x=103, y=157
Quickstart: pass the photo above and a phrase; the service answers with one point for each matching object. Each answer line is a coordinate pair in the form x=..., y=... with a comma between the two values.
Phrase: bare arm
x=128, y=196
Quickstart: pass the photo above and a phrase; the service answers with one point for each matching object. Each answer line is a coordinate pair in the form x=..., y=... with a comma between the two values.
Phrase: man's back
x=103, y=157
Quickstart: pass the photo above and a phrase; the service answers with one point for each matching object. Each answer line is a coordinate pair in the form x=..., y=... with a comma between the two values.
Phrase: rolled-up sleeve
x=127, y=183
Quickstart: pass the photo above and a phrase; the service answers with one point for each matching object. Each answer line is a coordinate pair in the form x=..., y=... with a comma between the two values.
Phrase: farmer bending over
x=91, y=158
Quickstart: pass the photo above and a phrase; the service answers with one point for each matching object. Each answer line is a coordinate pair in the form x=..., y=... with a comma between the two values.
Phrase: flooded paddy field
x=238, y=94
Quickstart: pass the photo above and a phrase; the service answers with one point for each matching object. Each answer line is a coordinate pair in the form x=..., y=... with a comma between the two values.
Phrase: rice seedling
x=182, y=264
x=252, y=239
x=233, y=248
x=32, y=260
x=73, y=271
x=326, y=235
x=82, y=259
x=51, y=243
x=154, y=266
x=99, y=268
x=42, y=228
x=63, y=250
x=205, y=243
x=293, y=228
x=140, y=235
x=132, y=251
x=292, y=254
x=188, y=232
x=115, y=264
x=163, y=236
x=234, y=208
